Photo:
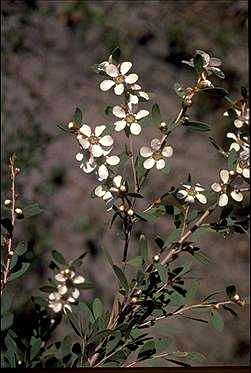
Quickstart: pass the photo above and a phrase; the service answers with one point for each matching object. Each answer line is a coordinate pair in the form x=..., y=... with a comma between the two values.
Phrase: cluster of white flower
x=67, y=291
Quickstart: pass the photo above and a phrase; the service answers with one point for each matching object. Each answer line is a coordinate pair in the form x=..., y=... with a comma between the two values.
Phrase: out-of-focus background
x=49, y=51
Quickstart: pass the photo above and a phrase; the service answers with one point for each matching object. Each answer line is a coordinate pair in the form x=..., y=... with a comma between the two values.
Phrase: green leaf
x=14, y=261
x=156, y=116
x=196, y=357
x=231, y=291
x=121, y=277
x=162, y=271
x=97, y=308
x=58, y=257
x=66, y=345
x=107, y=256
x=116, y=54
x=5, y=303
x=32, y=210
x=40, y=301
x=202, y=258
x=173, y=236
x=196, y=126
x=21, y=248
x=19, y=273
x=194, y=287
x=147, y=351
x=233, y=313
x=216, y=320
x=167, y=168
x=108, y=110
x=221, y=92
x=143, y=247
x=35, y=347
x=77, y=118
x=10, y=343
x=113, y=342
x=6, y=321
x=198, y=63
x=135, y=262
x=47, y=288
x=86, y=312
x=162, y=344
x=231, y=160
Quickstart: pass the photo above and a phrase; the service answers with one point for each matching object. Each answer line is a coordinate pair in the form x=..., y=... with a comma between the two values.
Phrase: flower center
x=119, y=79
x=157, y=156
x=93, y=140
x=130, y=118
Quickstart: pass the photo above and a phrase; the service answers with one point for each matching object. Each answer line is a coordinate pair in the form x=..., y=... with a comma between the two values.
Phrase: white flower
x=222, y=189
x=190, y=192
x=119, y=77
x=128, y=119
x=93, y=141
x=111, y=190
x=156, y=155
x=103, y=172
x=103, y=192
x=209, y=64
x=55, y=302
x=68, y=274
x=243, y=117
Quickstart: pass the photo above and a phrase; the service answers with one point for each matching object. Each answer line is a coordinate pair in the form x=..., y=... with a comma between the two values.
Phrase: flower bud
x=156, y=258
x=7, y=202
x=122, y=188
x=11, y=253
x=18, y=211
x=236, y=297
x=134, y=299
x=130, y=212
x=122, y=208
x=17, y=170
x=71, y=125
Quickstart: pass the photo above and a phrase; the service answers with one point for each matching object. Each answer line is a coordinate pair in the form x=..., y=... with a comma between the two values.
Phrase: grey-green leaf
x=58, y=257
x=216, y=320
x=19, y=273
x=120, y=275
x=32, y=210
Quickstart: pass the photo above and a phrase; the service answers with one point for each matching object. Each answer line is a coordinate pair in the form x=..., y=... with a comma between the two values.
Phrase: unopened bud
x=7, y=202
x=70, y=125
x=122, y=188
x=11, y=253
x=19, y=362
x=162, y=125
x=121, y=207
x=156, y=258
x=130, y=212
x=67, y=270
x=17, y=170
x=236, y=297
x=52, y=321
x=18, y=211
x=134, y=300
x=139, y=292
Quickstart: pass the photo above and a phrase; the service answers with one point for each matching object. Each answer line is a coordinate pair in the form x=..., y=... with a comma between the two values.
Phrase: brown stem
x=9, y=239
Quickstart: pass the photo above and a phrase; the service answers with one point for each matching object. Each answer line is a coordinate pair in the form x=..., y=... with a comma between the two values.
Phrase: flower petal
x=146, y=152
x=246, y=173
x=135, y=87
x=60, y=277
x=99, y=191
x=215, y=61
x=131, y=78
x=120, y=125
x=182, y=193
x=113, y=160
x=119, y=89
x=142, y=114
x=107, y=195
x=84, y=143
x=238, y=123
x=103, y=172
x=149, y=163
x=167, y=151
x=56, y=307
x=237, y=196
x=160, y=164
x=144, y=95
x=85, y=130
x=135, y=128
x=99, y=130
x=106, y=140
x=189, y=199
x=62, y=289
x=223, y=200
x=198, y=188
x=133, y=99
x=106, y=85
x=234, y=146
x=96, y=150
x=76, y=292
x=231, y=135
x=201, y=198
x=125, y=67
x=117, y=180
x=224, y=175
x=119, y=112
x=112, y=70
x=216, y=187
x=155, y=144
x=67, y=307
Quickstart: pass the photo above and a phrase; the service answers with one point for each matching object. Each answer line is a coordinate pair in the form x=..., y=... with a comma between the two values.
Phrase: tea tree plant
x=157, y=288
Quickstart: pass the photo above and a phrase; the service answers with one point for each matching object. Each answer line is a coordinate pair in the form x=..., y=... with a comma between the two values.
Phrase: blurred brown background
x=49, y=49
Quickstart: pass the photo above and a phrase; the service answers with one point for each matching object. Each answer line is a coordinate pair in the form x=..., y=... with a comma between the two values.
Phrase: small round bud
x=67, y=270
x=122, y=208
x=231, y=173
x=162, y=125
x=17, y=170
x=236, y=297
x=11, y=253
x=18, y=211
x=79, y=137
x=19, y=362
x=122, y=188
x=156, y=258
x=7, y=202
x=139, y=292
x=52, y=321
x=134, y=300
x=70, y=125
x=130, y=212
